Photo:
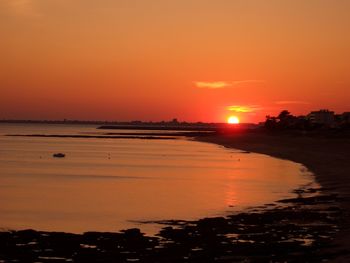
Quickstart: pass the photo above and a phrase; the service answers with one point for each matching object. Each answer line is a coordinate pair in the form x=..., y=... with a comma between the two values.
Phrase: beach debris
x=59, y=155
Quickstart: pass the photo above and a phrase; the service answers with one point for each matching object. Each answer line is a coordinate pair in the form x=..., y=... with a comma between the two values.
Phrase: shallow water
x=112, y=184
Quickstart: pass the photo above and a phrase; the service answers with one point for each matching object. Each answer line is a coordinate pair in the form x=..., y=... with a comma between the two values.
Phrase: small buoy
x=58, y=155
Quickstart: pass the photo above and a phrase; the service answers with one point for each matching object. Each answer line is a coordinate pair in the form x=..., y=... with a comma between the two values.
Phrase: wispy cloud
x=288, y=102
x=244, y=109
x=223, y=84
x=213, y=84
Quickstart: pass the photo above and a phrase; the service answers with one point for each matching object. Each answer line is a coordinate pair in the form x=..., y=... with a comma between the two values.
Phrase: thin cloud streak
x=224, y=84
x=288, y=102
x=212, y=85
x=244, y=109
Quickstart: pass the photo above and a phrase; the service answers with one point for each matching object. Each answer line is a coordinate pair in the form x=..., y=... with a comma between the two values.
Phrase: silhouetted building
x=345, y=117
x=322, y=117
x=174, y=121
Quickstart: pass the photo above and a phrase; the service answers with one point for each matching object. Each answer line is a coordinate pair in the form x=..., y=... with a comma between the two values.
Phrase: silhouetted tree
x=284, y=120
x=284, y=115
x=271, y=122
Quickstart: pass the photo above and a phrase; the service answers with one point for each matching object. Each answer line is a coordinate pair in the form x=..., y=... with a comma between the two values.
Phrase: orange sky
x=195, y=60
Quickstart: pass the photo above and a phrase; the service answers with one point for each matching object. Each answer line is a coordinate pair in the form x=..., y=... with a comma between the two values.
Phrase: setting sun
x=233, y=120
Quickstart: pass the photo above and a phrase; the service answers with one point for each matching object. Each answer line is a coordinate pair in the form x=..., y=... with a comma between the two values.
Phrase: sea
x=116, y=183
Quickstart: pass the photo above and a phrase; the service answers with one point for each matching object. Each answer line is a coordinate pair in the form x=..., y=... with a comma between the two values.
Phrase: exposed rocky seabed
x=292, y=230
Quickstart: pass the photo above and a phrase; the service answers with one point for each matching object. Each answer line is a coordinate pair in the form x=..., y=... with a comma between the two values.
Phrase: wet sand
x=326, y=155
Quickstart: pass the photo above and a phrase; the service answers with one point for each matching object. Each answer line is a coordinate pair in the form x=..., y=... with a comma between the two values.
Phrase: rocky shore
x=300, y=229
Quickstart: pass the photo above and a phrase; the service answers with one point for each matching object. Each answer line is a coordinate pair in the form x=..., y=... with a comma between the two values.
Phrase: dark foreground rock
x=298, y=230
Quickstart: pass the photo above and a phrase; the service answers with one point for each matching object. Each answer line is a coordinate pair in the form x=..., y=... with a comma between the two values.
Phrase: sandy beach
x=325, y=155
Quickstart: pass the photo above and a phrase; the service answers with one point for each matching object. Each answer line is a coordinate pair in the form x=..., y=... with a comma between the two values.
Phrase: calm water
x=112, y=184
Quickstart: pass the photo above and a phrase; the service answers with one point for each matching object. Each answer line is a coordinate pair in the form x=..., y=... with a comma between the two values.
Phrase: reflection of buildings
x=322, y=117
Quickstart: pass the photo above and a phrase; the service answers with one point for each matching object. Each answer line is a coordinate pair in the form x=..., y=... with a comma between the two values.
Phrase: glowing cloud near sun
x=244, y=109
x=212, y=85
x=225, y=84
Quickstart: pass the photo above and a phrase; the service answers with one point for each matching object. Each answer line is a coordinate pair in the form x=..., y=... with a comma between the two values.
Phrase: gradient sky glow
x=195, y=60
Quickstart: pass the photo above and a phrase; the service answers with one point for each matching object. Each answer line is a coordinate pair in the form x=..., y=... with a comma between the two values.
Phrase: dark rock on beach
x=297, y=230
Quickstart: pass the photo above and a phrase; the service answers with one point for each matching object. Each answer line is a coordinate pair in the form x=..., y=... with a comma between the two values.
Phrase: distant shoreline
x=145, y=137
x=141, y=125
x=326, y=157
